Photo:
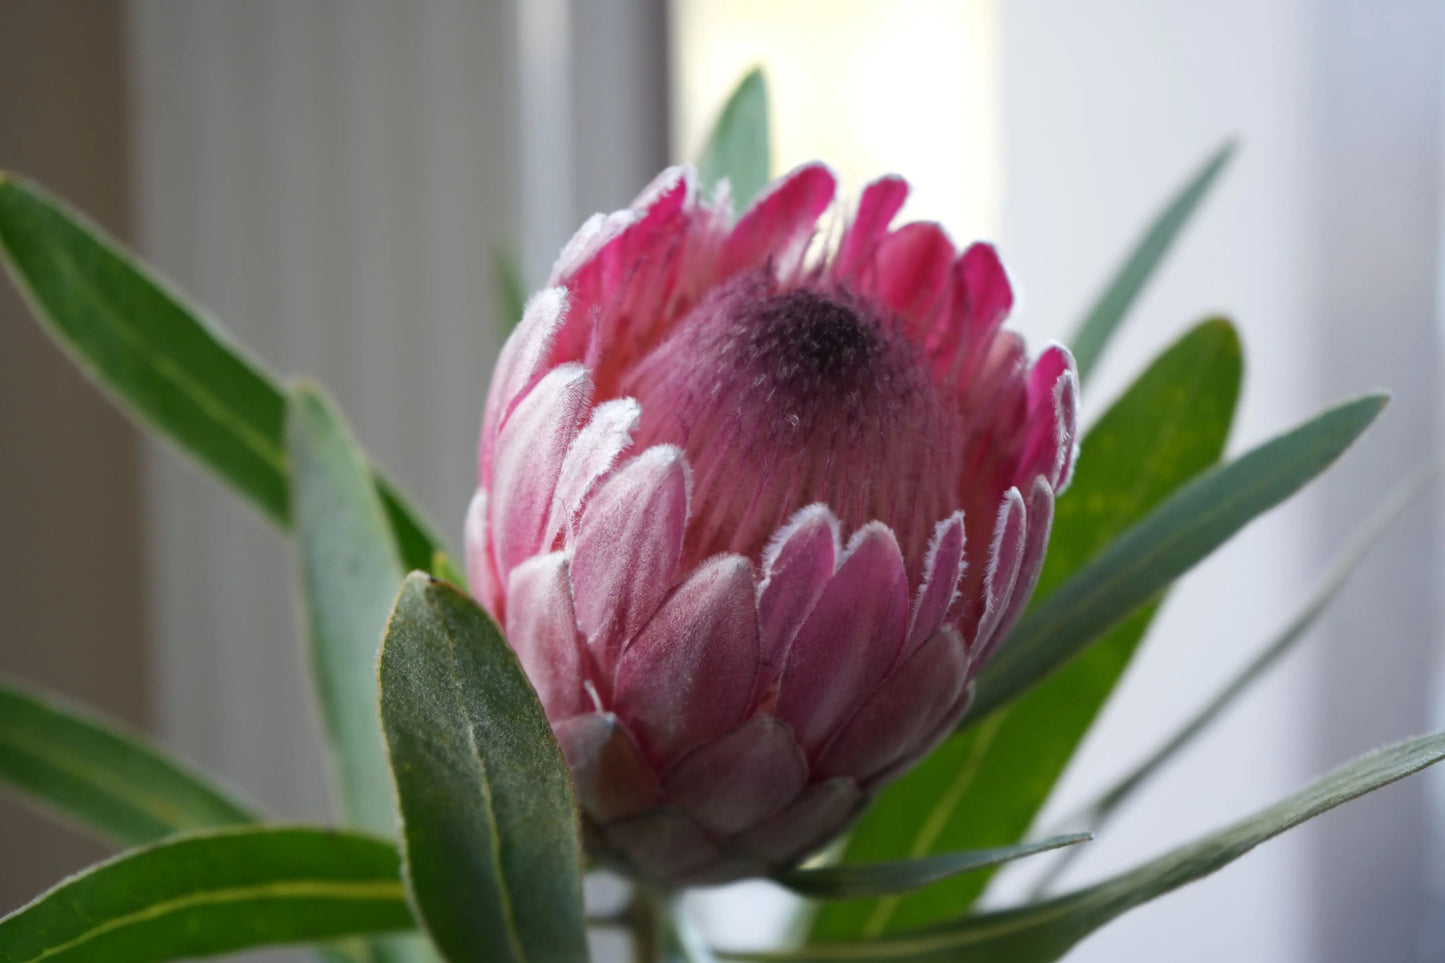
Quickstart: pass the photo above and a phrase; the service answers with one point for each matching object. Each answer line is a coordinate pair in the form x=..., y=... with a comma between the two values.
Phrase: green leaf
x=1169, y=426
x=1045, y=931
x=1175, y=537
x=881, y=879
x=103, y=779
x=738, y=148
x=166, y=361
x=1114, y=303
x=350, y=572
x=214, y=893
x=1098, y=812
x=490, y=834
x=511, y=289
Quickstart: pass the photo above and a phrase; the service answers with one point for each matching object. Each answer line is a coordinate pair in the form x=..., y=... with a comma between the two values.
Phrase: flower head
x=753, y=510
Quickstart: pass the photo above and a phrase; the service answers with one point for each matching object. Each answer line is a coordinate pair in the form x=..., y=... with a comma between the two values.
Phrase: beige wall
x=70, y=579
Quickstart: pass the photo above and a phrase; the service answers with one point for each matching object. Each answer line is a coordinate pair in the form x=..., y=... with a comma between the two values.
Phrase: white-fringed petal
x=687, y=677
x=593, y=453
x=942, y=568
x=1004, y=558
x=627, y=549
x=520, y=365
x=530, y=452
x=542, y=630
x=849, y=641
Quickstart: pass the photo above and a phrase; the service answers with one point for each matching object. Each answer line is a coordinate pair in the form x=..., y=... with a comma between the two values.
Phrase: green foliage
x=738, y=148
x=1104, y=318
x=214, y=892
x=1169, y=426
x=350, y=571
x=166, y=361
x=105, y=780
x=490, y=835
x=1045, y=931
x=1173, y=539
x=882, y=879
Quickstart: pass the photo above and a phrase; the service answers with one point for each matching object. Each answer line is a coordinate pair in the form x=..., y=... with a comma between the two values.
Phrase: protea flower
x=754, y=509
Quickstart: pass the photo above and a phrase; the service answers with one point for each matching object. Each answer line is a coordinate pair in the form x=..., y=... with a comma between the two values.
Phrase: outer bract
x=755, y=507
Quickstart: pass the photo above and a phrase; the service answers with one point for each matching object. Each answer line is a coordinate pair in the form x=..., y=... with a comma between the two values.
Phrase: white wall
x=1107, y=106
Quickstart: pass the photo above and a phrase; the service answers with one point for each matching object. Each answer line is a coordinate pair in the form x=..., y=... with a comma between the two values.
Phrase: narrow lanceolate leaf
x=1097, y=813
x=350, y=571
x=490, y=835
x=1041, y=932
x=1104, y=318
x=881, y=879
x=163, y=359
x=738, y=148
x=1176, y=536
x=1169, y=426
x=101, y=778
x=214, y=892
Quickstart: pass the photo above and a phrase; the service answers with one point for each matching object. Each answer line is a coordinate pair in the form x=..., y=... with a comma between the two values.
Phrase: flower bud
x=753, y=513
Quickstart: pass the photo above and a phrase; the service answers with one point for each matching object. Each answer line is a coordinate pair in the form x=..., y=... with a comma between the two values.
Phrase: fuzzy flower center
x=782, y=396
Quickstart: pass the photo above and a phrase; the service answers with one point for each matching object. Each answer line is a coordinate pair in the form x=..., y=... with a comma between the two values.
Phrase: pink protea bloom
x=754, y=509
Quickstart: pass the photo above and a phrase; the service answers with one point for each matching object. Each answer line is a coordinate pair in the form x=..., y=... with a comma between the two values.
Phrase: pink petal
x=1053, y=392
x=928, y=743
x=529, y=456
x=591, y=456
x=591, y=238
x=662, y=845
x=781, y=221
x=901, y=712
x=797, y=564
x=879, y=204
x=982, y=299
x=819, y=814
x=942, y=567
x=519, y=365
x=482, y=576
x=611, y=778
x=628, y=545
x=1004, y=560
x=739, y=780
x=1040, y=517
x=542, y=630
x=850, y=640
x=688, y=676
x=915, y=274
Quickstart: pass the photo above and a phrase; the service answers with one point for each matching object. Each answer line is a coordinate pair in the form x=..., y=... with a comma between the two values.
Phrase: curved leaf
x=102, y=778
x=214, y=893
x=1172, y=539
x=1045, y=931
x=164, y=360
x=881, y=879
x=489, y=823
x=1169, y=426
x=1104, y=318
x=738, y=148
x=350, y=571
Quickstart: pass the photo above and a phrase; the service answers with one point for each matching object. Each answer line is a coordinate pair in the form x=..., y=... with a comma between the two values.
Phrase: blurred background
x=333, y=180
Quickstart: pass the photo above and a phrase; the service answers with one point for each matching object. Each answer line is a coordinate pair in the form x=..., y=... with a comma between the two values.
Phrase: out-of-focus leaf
x=738, y=148
x=1097, y=813
x=882, y=879
x=214, y=892
x=1041, y=932
x=1174, y=538
x=166, y=361
x=1169, y=426
x=101, y=778
x=511, y=289
x=490, y=835
x=1104, y=318
x=350, y=572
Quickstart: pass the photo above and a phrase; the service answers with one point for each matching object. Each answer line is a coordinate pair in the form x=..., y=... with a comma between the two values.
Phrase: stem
x=646, y=917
